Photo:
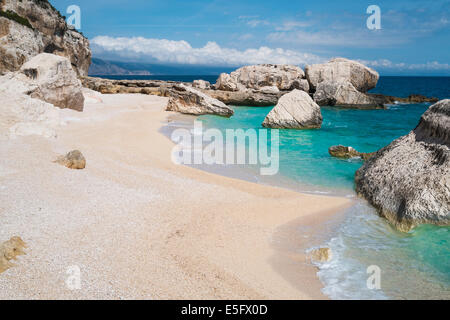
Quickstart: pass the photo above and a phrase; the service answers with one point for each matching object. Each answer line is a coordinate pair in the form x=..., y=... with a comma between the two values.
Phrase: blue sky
x=414, y=39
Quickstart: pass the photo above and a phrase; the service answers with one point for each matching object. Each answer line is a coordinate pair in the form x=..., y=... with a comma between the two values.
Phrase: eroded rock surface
x=295, y=110
x=344, y=94
x=408, y=182
x=284, y=77
x=30, y=27
x=342, y=70
x=54, y=80
x=188, y=100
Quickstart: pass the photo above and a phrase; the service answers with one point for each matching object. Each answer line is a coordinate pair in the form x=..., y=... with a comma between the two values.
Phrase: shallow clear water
x=414, y=265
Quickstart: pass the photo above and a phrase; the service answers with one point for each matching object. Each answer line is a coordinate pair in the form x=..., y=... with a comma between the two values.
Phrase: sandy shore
x=139, y=226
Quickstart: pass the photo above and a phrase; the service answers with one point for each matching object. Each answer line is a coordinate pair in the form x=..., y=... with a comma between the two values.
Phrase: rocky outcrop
x=187, y=100
x=284, y=77
x=295, y=110
x=201, y=84
x=342, y=70
x=28, y=97
x=343, y=152
x=412, y=99
x=245, y=98
x=49, y=78
x=344, y=94
x=54, y=80
x=409, y=180
x=107, y=86
x=30, y=27
x=10, y=250
x=72, y=160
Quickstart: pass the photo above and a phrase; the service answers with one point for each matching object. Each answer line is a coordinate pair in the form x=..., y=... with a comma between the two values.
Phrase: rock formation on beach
x=29, y=96
x=342, y=70
x=343, y=82
x=49, y=78
x=56, y=81
x=187, y=100
x=201, y=84
x=344, y=94
x=246, y=98
x=258, y=77
x=30, y=27
x=340, y=82
x=343, y=152
x=295, y=110
x=408, y=182
x=108, y=86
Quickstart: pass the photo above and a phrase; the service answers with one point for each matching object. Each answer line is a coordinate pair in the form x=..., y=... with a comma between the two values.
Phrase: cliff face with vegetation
x=30, y=27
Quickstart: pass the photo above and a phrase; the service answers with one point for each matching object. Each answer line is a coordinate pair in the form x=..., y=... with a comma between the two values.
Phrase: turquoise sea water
x=413, y=265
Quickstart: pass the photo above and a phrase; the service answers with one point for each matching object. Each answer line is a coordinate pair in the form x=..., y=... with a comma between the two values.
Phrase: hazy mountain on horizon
x=100, y=67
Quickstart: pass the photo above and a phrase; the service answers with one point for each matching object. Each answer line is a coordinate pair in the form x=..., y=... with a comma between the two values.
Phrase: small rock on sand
x=9, y=250
x=72, y=160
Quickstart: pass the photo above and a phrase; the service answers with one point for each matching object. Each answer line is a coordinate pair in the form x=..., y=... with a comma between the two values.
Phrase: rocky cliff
x=30, y=27
x=409, y=180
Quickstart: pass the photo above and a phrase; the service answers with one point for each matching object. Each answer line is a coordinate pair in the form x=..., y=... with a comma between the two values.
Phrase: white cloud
x=290, y=25
x=387, y=64
x=359, y=38
x=181, y=52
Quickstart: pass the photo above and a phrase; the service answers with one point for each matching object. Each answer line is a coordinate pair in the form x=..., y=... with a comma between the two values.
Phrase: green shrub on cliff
x=11, y=15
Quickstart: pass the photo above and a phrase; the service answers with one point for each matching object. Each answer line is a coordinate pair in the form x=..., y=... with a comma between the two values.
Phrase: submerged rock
x=343, y=152
x=321, y=255
x=188, y=100
x=284, y=77
x=295, y=110
x=342, y=70
x=72, y=160
x=33, y=27
x=10, y=250
x=408, y=182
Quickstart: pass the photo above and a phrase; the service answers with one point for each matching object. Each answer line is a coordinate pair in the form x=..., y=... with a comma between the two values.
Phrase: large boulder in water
x=344, y=94
x=344, y=152
x=409, y=180
x=284, y=77
x=295, y=110
x=188, y=100
x=342, y=70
